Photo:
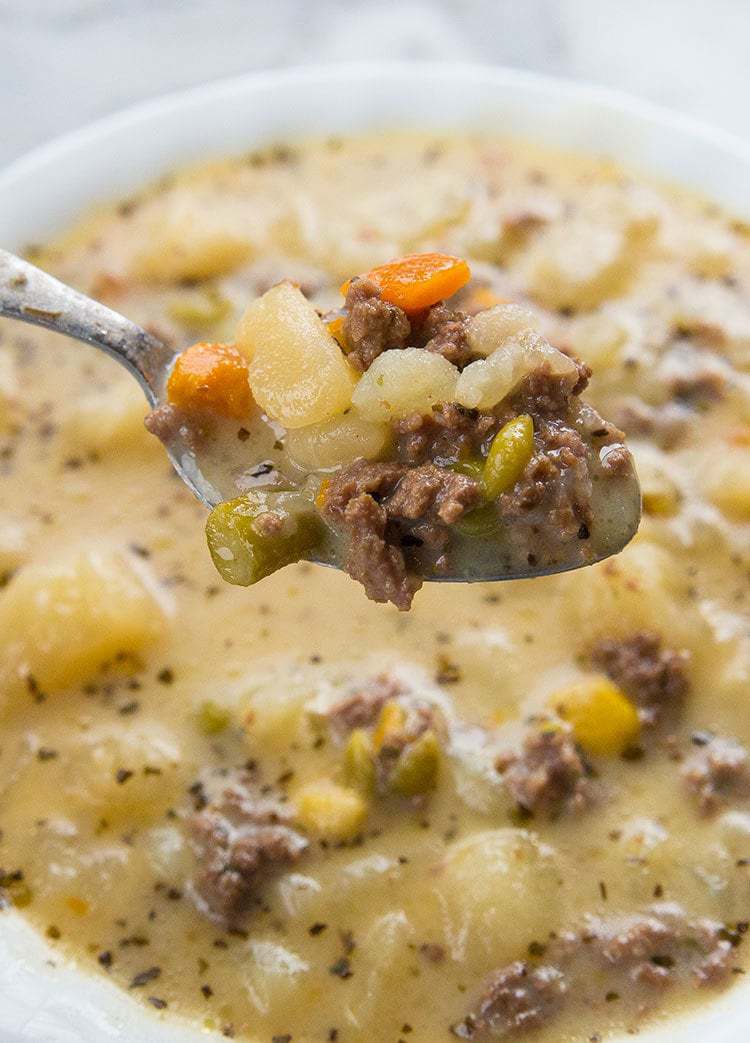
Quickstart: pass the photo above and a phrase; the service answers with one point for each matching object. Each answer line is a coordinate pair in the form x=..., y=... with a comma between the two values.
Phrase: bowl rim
x=54, y=1004
x=300, y=75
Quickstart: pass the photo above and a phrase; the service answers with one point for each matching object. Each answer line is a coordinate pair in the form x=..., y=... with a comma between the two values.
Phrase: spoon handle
x=31, y=295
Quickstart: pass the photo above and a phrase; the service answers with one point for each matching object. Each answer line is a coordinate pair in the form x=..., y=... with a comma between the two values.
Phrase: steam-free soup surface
x=289, y=813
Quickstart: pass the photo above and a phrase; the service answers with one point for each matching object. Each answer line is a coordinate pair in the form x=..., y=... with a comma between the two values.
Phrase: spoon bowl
x=30, y=295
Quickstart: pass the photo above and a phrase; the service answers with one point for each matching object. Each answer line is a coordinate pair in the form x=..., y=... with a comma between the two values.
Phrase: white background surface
x=65, y=62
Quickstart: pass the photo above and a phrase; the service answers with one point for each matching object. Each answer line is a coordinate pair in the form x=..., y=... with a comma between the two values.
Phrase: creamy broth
x=134, y=684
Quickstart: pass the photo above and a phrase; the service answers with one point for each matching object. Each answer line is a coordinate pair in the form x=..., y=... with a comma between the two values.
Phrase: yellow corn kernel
x=392, y=720
x=336, y=329
x=603, y=719
x=509, y=453
x=330, y=811
x=417, y=769
x=359, y=765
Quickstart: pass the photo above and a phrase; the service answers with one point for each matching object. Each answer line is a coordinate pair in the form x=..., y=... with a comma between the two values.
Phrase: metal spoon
x=31, y=295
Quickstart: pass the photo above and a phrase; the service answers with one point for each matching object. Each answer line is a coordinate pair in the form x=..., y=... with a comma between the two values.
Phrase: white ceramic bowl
x=42, y=999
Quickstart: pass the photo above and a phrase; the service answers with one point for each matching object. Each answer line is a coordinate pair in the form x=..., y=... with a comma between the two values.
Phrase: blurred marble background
x=64, y=62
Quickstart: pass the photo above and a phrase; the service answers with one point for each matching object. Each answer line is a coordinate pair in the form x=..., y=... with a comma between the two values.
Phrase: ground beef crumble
x=238, y=841
x=516, y=998
x=361, y=708
x=445, y=333
x=396, y=517
x=717, y=773
x=385, y=509
x=446, y=435
x=552, y=499
x=548, y=776
x=372, y=325
x=642, y=952
x=654, y=677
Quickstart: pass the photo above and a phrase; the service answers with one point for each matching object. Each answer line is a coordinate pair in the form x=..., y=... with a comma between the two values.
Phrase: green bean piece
x=260, y=532
x=482, y=522
x=511, y=450
x=359, y=763
x=471, y=466
x=416, y=771
x=212, y=718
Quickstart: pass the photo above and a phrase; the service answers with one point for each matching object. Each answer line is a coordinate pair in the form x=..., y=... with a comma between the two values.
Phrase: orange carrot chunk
x=418, y=281
x=211, y=377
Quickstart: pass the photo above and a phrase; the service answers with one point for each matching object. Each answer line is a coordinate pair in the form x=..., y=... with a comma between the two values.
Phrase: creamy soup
x=288, y=813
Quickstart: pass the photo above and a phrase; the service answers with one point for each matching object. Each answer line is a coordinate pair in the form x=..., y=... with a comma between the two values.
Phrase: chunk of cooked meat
x=445, y=332
x=383, y=507
x=545, y=393
x=548, y=776
x=654, y=677
x=238, y=842
x=639, y=953
x=372, y=558
x=665, y=425
x=655, y=948
x=361, y=708
x=372, y=325
x=447, y=434
x=717, y=773
x=551, y=502
x=431, y=493
x=516, y=998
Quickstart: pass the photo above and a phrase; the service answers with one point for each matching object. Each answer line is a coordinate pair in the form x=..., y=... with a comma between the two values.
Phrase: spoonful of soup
x=399, y=438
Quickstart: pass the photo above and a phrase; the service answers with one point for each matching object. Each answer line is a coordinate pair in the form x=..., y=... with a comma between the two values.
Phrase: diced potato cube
x=127, y=770
x=108, y=420
x=60, y=622
x=598, y=339
x=660, y=493
x=484, y=383
x=728, y=483
x=330, y=811
x=603, y=719
x=502, y=890
x=580, y=263
x=273, y=714
x=640, y=589
x=13, y=545
x=184, y=246
x=336, y=442
x=400, y=383
x=710, y=253
x=298, y=373
x=488, y=330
